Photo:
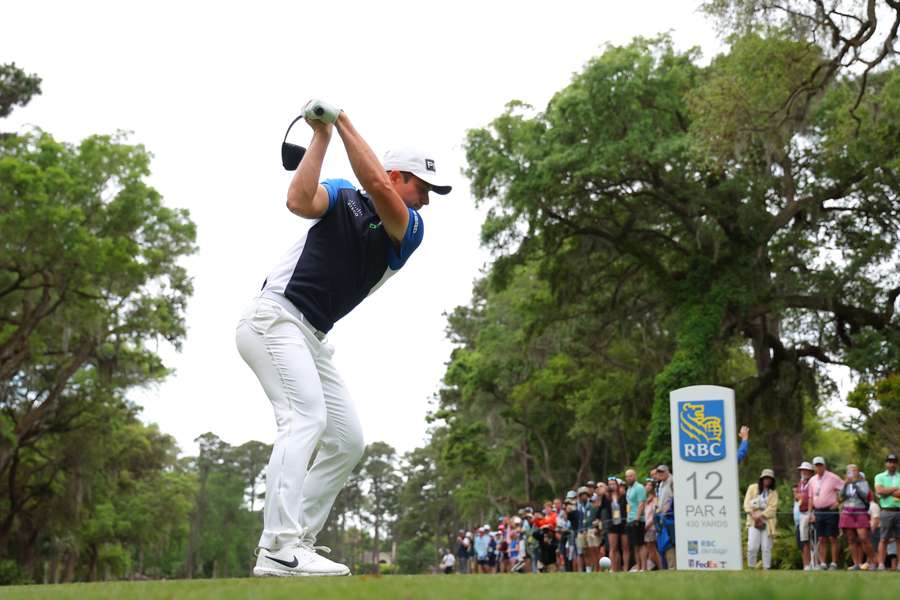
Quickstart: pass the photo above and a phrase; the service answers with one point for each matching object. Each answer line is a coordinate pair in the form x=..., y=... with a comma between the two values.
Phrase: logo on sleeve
x=429, y=165
x=415, y=223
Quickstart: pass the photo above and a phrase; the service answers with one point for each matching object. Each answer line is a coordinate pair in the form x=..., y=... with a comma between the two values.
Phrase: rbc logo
x=700, y=427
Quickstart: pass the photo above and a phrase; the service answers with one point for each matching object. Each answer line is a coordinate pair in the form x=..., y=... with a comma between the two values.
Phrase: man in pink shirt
x=823, y=490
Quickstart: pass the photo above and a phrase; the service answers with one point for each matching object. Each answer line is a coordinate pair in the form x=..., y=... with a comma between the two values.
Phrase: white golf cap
x=818, y=460
x=805, y=466
x=418, y=163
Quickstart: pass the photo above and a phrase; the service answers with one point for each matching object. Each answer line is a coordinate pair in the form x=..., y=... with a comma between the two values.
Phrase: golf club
x=291, y=154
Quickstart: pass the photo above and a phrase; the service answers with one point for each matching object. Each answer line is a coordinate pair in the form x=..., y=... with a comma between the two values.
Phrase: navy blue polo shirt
x=345, y=256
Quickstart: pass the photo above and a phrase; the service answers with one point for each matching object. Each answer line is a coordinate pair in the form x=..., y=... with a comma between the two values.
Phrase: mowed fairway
x=668, y=586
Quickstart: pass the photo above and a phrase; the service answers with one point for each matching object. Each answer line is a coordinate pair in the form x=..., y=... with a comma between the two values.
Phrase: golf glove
x=321, y=111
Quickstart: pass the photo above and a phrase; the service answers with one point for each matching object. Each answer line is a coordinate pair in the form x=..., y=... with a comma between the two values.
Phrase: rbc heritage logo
x=700, y=427
x=693, y=547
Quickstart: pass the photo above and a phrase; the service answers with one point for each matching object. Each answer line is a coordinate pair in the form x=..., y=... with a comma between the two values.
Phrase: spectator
x=482, y=539
x=564, y=538
x=516, y=552
x=502, y=551
x=447, y=562
x=493, y=552
x=854, y=521
x=824, y=488
x=665, y=517
x=887, y=487
x=634, y=526
x=649, y=547
x=547, y=543
x=597, y=533
x=802, y=506
x=615, y=529
x=581, y=519
x=761, y=506
x=744, y=446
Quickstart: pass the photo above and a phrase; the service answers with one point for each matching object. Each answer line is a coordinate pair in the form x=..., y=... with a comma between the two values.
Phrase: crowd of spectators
x=631, y=521
x=828, y=507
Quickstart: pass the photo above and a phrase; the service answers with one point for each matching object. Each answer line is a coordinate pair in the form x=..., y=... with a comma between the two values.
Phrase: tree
x=16, y=88
x=379, y=471
x=731, y=236
x=89, y=281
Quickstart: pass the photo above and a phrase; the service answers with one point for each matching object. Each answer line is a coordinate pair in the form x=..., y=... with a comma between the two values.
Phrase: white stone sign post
x=704, y=470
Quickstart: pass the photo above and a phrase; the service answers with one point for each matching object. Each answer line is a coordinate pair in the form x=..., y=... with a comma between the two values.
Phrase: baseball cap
x=571, y=495
x=805, y=466
x=419, y=164
x=819, y=460
x=891, y=457
x=663, y=468
x=767, y=473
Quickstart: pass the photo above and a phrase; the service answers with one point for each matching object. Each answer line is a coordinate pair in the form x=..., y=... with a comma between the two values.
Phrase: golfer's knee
x=354, y=445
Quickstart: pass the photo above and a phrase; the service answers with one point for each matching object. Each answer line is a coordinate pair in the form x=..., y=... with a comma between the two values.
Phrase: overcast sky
x=209, y=88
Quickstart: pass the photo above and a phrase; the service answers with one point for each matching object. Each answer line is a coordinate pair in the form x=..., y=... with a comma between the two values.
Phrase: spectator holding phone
x=854, y=521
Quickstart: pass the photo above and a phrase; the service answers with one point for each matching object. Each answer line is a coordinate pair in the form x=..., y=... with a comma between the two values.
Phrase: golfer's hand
x=321, y=127
x=317, y=110
x=744, y=433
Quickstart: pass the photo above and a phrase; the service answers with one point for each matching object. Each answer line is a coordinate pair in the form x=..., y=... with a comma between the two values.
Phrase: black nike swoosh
x=289, y=565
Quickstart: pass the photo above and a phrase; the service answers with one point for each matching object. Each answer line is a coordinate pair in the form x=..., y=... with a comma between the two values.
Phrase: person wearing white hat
x=481, y=549
x=358, y=239
x=761, y=506
x=803, y=509
x=824, y=489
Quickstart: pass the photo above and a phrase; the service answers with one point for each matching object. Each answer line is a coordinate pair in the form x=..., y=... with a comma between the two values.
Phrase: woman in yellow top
x=761, y=504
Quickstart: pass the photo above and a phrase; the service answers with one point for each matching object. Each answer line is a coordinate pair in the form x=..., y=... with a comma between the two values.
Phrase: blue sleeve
x=742, y=450
x=334, y=187
x=415, y=230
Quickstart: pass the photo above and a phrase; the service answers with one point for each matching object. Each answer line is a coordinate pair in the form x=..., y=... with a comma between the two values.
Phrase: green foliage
x=12, y=574
x=16, y=88
x=877, y=428
x=711, y=201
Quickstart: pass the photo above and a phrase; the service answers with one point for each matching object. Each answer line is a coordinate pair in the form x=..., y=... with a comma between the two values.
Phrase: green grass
x=755, y=585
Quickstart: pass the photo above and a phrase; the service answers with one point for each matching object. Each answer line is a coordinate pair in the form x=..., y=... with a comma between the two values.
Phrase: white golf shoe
x=299, y=560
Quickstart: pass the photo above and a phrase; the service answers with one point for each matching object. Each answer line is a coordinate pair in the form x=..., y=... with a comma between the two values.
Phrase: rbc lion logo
x=700, y=427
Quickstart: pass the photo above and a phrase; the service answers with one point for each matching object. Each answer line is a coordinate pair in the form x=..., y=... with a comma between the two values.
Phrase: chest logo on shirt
x=700, y=428
x=354, y=207
x=375, y=225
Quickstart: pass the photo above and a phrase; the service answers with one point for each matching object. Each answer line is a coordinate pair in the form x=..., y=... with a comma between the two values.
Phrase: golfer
x=359, y=239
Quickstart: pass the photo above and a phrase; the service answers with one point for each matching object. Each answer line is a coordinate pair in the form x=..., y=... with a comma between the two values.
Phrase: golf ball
x=605, y=563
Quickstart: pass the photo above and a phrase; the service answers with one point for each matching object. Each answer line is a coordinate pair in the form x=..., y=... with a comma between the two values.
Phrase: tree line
x=663, y=221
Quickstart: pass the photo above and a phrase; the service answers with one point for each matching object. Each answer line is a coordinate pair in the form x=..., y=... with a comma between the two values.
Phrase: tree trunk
x=526, y=469
x=92, y=564
x=585, y=451
x=71, y=563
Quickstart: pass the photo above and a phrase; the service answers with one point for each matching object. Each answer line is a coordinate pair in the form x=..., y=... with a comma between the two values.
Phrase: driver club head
x=291, y=155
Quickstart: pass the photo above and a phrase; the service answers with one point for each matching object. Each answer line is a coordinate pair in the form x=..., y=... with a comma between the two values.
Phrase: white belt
x=289, y=306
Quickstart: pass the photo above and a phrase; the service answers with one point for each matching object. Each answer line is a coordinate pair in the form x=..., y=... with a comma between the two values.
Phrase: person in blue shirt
x=357, y=240
x=744, y=447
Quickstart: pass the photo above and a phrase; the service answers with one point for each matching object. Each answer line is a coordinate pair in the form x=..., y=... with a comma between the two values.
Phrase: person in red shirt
x=824, y=488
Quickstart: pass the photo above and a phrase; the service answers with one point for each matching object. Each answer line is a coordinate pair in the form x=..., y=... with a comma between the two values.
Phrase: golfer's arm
x=374, y=179
x=883, y=491
x=306, y=197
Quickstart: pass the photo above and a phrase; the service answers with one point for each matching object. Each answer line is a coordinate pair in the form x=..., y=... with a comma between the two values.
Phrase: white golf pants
x=312, y=408
x=757, y=538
